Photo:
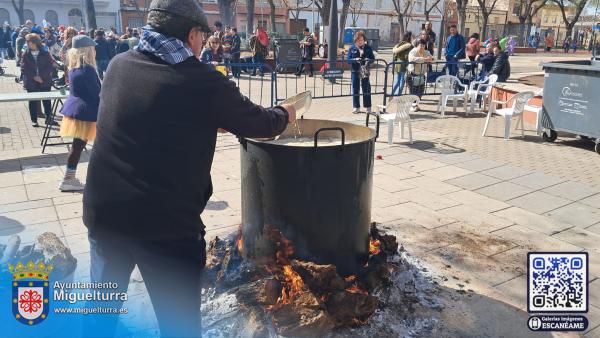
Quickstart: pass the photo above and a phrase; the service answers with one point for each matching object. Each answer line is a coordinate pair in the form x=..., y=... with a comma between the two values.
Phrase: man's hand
x=38, y=79
x=291, y=112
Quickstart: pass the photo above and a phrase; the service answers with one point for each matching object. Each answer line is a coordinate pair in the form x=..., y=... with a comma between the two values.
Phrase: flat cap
x=80, y=41
x=188, y=9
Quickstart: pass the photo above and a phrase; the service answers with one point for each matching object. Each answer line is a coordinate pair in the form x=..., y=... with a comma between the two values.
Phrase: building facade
x=67, y=12
x=135, y=12
x=497, y=20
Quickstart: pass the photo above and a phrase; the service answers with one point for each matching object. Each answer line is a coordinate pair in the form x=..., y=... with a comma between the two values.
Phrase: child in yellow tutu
x=80, y=110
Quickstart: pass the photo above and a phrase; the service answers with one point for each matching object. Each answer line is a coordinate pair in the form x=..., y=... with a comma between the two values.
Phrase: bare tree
x=296, y=6
x=272, y=15
x=356, y=7
x=427, y=10
x=20, y=10
x=227, y=11
x=90, y=13
x=343, y=17
x=323, y=7
x=527, y=10
x=402, y=9
x=565, y=6
x=486, y=8
x=250, y=17
x=461, y=7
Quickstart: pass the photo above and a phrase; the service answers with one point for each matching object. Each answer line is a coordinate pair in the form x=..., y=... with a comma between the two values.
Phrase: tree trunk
x=441, y=36
x=90, y=13
x=529, y=25
x=401, y=23
x=484, y=23
x=461, y=6
x=20, y=10
x=325, y=12
x=462, y=19
x=343, y=18
x=250, y=18
x=272, y=15
x=522, y=35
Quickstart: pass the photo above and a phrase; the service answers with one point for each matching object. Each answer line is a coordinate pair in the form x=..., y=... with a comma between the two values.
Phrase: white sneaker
x=368, y=110
x=72, y=184
x=355, y=111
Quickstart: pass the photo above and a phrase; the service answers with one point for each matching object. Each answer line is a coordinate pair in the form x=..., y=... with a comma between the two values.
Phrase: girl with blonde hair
x=80, y=110
x=212, y=53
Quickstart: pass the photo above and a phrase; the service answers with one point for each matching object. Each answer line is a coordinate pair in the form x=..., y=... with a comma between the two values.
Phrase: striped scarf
x=169, y=49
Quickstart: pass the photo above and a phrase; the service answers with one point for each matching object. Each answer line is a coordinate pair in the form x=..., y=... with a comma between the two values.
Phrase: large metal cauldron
x=319, y=196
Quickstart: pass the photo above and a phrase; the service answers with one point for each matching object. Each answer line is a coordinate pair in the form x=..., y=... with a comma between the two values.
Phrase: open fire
x=296, y=297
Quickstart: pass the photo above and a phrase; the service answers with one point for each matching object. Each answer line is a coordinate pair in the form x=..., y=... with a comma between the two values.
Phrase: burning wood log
x=319, y=278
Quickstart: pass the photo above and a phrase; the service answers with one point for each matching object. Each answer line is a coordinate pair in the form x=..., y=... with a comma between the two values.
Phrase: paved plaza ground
x=468, y=207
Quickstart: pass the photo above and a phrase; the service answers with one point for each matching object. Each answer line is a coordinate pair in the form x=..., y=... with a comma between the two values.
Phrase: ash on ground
x=408, y=304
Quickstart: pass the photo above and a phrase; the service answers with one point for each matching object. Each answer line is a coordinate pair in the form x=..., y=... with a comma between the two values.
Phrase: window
x=28, y=15
x=496, y=20
x=75, y=18
x=135, y=22
x=467, y=32
x=554, y=20
x=418, y=8
x=378, y=4
x=546, y=19
x=52, y=18
x=4, y=16
x=517, y=7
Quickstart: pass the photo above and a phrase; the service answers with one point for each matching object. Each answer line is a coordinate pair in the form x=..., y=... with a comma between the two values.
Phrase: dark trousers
x=452, y=66
x=415, y=90
x=171, y=271
x=34, y=106
x=236, y=70
x=357, y=84
x=302, y=66
x=102, y=65
x=258, y=58
x=473, y=65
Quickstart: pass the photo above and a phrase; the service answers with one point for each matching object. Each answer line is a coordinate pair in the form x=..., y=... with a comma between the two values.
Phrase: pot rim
x=265, y=142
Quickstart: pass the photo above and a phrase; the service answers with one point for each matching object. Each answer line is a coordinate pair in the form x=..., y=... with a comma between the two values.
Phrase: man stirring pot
x=149, y=173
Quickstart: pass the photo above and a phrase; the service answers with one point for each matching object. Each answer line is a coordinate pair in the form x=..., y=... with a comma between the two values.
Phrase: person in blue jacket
x=487, y=60
x=455, y=50
x=211, y=54
x=80, y=110
x=360, y=56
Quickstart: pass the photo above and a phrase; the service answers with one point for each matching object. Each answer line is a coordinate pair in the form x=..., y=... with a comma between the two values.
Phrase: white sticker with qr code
x=557, y=282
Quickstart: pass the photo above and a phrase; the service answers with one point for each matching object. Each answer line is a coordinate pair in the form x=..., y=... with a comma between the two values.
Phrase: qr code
x=557, y=282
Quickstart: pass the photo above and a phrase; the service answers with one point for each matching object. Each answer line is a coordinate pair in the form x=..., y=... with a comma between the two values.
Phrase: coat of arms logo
x=30, y=292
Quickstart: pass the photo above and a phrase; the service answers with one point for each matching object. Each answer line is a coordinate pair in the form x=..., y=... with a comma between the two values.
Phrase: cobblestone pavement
x=469, y=207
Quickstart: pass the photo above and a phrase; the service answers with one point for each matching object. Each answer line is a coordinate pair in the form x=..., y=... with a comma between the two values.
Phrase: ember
x=297, y=297
x=374, y=245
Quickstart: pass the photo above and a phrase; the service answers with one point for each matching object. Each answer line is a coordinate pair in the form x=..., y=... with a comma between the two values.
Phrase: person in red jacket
x=36, y=70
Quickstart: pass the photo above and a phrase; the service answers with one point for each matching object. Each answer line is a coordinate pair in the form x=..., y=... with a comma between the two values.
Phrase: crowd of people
x=413, y=58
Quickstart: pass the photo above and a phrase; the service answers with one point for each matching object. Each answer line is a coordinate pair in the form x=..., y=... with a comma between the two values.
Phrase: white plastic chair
x=538, y=113
x=484, y=89
x=398, y=111
x=519, y=100
x=447, y=85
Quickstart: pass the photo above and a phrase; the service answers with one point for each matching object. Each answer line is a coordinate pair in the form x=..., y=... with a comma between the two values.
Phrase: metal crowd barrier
x=248, y=78
x=289, y=84
x=274, y=87
x=466, y=71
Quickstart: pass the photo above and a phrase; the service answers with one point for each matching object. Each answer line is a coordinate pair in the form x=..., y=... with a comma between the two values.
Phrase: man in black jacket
x=149, y=174
x=103, y=53
x=501, y=65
